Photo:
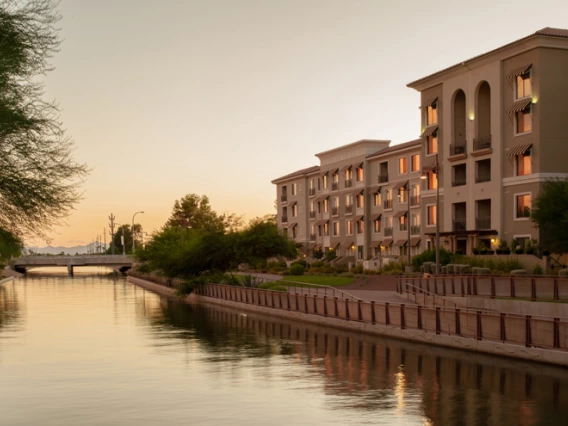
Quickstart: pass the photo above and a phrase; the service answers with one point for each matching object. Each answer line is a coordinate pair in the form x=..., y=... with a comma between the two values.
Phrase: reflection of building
x=497, y=123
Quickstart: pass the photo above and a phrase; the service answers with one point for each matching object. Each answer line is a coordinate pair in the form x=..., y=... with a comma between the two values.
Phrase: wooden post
x=479, y=331
x=556, y=332
x=502, y=334
x=533, y=289
x=528, y=339
x=457, y=320
x=315, y=304
x=387, y=316
x=373, y=319
x=438, y=326
x=512, y=285
x=402, y=319
x=359, y=311
x=419, y=313
x=336, y=307
x=492, y=287
x=288, y=301
x=325, y=306
x=347, y=314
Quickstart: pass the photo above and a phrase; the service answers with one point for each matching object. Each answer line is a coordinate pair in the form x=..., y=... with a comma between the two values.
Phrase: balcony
x=482, y=144
x=348, y=183
x=335, y=211
x=483, y=222
x=383, y=177
x=387, y=232
x=312, y=237
x=334, y=186
x=313, y=214
x=459, y=181
x=349, y=209
x=415, y=229
x=284, y=219
x=387, y=204
x=483, y=178
x=459, y=225
x=458, y=149
x=283, y=198
x=311, y=192
x=403, y=227
x=415, y=200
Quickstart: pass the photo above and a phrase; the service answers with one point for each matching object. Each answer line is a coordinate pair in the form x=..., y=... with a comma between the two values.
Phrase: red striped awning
x=519, y=106
x=519, y=150
x=519, y=71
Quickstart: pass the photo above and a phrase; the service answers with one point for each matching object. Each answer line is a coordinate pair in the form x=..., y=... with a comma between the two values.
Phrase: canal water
x=97, y=350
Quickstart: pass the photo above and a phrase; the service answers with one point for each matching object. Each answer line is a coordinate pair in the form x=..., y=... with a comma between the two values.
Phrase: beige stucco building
x=496, y=124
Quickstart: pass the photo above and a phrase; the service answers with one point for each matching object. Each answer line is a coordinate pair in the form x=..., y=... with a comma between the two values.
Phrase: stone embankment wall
x=537, y=339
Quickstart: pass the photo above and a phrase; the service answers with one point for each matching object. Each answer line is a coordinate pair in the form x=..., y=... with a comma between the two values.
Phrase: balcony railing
x=349, y=209
x=348, y=183
x=312, y=237
x=483, y=223
x=459, y=181
x=459, y=225
x=415, y=229
x=482, y=143
x=334, y=186
x=387, y=232
x=483, y=178
x=334, y=211
x=458, y=148
x=313, y=214
x=383, y=177
x=415, y=200
x=387, y=204
x=284, y=219
x=403, y=227
x=311, y=192
x=283, y=198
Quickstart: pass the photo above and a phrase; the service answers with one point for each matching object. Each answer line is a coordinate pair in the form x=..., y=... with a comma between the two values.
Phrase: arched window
x=459, y=122
x=483, y=117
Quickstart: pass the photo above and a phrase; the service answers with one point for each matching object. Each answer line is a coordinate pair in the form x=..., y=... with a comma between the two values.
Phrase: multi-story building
x=495, y=125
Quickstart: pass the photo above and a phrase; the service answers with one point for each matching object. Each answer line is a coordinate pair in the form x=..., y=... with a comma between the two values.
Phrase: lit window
x=335, y=229
x=360, y=200
x=432, y=114
x=432, y=147
x=524, y=85
x=402, y=195
x=432, y=181
x=402, y=166
x=403, y=223
x=349, y=174
x=349, y=200
x=523, y=120
x=325, y=181
x=294, y=210
x=360, y=226
x=377, y=199
x=524, y=164
x=326, y=205
x=294, y=189
x=294, y=232
x=523, y=206
x=415, y=163
x=335, y=177
x=377, y=225
x=349, y=227
x=326, y=229
x=432, y=215
x=360, y=175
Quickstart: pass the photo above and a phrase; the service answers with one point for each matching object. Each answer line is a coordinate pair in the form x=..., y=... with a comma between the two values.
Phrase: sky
x=218, y=98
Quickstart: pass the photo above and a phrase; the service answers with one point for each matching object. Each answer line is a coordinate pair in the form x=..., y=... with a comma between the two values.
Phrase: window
x=415, y=220
x=319, y=230
x=325, y=180
x=359, y=173
x=402, y=166
x=284, y=214
x=294, y=189
x=431, y=215
x=523, y=120
x=432, y=181
x=377, y=225
x=335, y=177
x=326, y=205
x=403, y=223
x=326, y=229
x=360, y=226
x=415, y=163
x=523, y=85
x=432, y=114
x=349, y=174
x=319, y=184
x=359, y=252
x=313, y=233
x=284, y=190
x=432, y=147
x=523, y=206
x=319, y=207
x=360, y=200
x=335, y=229
x=294, y=210
x=402, y=196
x=377, y=198
x=523, y=162
x=349, y=199
x=335, y=206
x=349, y=227
x=294, y=232
x=459, y=175
x=483, y=171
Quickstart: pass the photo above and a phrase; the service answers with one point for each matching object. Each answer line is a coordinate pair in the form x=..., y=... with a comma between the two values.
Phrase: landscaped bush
x=274, y=286
x=299, y=262
x=430, y=256
x=537, y=270
x=317, y=264
x=297, y=269
x=563, y=272
x=518, y=272
x=357, y=269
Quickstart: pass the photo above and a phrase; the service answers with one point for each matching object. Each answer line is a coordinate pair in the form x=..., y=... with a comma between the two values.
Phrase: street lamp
x=400, y=192
x=435, y=169
x=133, y=237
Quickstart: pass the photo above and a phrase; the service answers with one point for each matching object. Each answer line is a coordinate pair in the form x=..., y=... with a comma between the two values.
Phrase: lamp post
x=436, y=169
x=401, y=191
x=133, y=237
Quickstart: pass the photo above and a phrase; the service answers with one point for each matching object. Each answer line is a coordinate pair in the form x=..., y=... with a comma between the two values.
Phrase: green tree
x=118, y=234
x=550, y=214
x=39, y=180
x=10, y=246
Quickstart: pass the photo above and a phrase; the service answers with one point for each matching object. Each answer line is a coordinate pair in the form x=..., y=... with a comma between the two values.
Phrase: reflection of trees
x=447, y=386
x=9, y=307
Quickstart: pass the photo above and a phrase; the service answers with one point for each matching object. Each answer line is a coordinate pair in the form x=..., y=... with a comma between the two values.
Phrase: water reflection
x=446, y=386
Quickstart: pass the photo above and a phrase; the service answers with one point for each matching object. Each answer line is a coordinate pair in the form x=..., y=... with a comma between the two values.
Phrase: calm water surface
x=97, y=350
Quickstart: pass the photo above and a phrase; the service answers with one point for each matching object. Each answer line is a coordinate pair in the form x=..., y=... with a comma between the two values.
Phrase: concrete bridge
x=117, y=261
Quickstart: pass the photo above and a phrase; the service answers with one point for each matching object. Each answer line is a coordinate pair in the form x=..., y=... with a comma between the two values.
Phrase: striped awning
x=375, y=244
x=292, y=204
x=519, y=106
x=324, y=172
x=386, y=242
x=519, y=71
x=429, y=131
x=359, y=191
x=429, y=102
x=375, y=188
x=400, y=213
x=375, y=217
x=414, y=241
x=358, y=218
x=399, y=185
x=292, y=225
x=519, y=150
x=400, y=243
x=344, y=168
x=322, y=222
x=347, y=245
x=322, y=197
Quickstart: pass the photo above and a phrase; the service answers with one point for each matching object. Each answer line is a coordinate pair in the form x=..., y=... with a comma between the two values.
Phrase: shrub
x=317, y=264
x=430, y=256
x=330, y=255
x=317, y=254
x=518, y=272
x=537, y=270
x=285, y=272
x=357, y=269
x=563, y=272
x=299, y=262
x=296, y=269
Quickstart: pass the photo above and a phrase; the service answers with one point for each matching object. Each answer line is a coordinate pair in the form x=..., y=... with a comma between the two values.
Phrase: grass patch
x=317, y=279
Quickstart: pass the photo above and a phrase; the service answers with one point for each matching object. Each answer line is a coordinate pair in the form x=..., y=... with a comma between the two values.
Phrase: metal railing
x=334, y=211
x=312, y=237
x=348, y=183
x=349, y=208
x=459, y=225
x=311, y=192
x=312, y=214
x=387, y=204
x=415, y=229
x=458, y=148
x=415, y=200
x=459, y=181
x=283, y=198
x=482, y=143
x=387, y=232
x=334, y=186
x=483, y=222
x=403, y=227
x=284, y=219
x=483, y=178
x=383, y=177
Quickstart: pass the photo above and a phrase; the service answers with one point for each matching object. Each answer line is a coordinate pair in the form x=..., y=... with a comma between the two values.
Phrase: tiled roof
x=298, y=173
x=396, y=148
x=549, y=32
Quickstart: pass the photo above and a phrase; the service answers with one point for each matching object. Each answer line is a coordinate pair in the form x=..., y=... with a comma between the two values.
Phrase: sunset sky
x=165, y=98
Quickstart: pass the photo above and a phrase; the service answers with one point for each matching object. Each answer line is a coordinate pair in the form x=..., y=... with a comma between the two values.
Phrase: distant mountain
x=57, y=250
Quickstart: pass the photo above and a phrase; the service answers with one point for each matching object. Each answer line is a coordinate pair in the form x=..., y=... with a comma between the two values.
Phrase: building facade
x=496, y=127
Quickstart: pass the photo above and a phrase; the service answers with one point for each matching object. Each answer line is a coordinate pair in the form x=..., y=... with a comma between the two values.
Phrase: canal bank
x=369, y=322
